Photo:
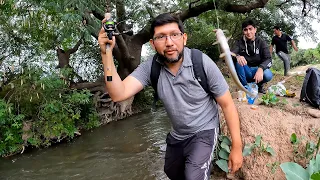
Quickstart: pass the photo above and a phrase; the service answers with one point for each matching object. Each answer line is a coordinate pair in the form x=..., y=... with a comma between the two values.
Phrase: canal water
x=128, y=149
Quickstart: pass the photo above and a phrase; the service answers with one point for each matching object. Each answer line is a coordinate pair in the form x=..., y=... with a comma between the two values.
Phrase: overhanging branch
x=246, y=8
x=197, y=10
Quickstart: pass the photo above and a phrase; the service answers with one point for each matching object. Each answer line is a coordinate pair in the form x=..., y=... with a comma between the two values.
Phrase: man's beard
x=171, y=60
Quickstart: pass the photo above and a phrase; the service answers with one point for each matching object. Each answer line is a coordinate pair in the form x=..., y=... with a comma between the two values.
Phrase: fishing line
x=215, y=8
x=217, y=18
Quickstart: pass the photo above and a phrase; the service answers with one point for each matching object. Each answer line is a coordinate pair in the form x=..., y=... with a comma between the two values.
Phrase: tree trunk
x=63, y=58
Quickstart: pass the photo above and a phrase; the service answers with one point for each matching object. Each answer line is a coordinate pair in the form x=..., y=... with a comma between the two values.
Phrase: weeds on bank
x=259, y=146
x=274, y=166
x=37, y=109
x=310, y=153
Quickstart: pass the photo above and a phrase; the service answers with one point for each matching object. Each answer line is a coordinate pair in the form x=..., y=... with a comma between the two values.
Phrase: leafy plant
x=10, y=129
x=269, y=99
x=310, y=149
x=55, y=111
x=248, y=148
x=273, y=166
x=223, y=150
x=295, y=171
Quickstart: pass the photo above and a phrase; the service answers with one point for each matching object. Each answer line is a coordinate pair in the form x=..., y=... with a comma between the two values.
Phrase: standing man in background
x=280, y=40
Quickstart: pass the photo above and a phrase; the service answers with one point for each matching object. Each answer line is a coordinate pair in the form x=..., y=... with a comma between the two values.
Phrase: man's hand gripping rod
x=226, y=54
x=109, y=28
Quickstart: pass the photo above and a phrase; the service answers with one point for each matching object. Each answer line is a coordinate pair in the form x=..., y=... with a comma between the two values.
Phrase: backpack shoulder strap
x=200, y=74
x=198, y=69
x=154, y=76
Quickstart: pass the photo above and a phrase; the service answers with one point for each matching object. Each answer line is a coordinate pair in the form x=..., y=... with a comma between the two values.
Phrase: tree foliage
x=39, y=109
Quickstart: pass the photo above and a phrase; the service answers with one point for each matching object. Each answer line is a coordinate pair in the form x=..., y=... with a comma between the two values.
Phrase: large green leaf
x=247, y=150
x=223, y=164
x=315, y=176
x=294, y=171
x=226, y=140
x=258, y=140
x=223, y=154
x=225, y=147
x=311, y=166
x=317, y=164
x=271, y=151
x=293, y=138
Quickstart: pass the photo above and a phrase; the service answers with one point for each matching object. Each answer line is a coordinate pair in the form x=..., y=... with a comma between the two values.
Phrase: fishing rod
x=110, y=28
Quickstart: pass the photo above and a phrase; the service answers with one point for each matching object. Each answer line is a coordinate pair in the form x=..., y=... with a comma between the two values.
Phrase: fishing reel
x=110, y=28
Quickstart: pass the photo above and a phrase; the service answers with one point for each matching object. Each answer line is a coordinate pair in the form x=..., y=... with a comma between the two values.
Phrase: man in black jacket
x=253, y=58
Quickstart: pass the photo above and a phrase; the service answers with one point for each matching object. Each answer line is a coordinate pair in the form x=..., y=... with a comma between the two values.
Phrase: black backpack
x=199, y=73
x=310, y=91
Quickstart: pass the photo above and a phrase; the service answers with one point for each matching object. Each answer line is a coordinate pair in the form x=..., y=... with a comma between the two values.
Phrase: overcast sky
x=305, y=43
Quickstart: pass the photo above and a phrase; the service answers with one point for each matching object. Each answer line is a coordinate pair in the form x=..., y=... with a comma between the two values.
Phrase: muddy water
x=127, y=149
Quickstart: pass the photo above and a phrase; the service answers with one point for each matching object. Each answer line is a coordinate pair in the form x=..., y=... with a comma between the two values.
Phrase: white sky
x=307, y=43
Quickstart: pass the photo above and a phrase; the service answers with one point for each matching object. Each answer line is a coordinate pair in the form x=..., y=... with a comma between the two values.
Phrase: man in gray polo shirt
x=192, y=111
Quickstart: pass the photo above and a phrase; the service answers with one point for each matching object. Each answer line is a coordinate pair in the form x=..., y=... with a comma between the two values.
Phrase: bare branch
x=304, y=12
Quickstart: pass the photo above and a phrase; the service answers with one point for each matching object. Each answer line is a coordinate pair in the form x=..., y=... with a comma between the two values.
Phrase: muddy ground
x=275, y=124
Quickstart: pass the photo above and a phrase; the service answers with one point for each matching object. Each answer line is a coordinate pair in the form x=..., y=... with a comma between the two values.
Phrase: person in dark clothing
x=253, y=58
x=280, y=41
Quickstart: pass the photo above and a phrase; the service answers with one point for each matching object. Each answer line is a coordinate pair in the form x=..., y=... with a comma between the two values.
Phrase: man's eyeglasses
x=163, y=38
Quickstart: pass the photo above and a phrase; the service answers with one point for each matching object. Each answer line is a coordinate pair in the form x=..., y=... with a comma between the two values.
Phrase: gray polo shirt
x=189, y=107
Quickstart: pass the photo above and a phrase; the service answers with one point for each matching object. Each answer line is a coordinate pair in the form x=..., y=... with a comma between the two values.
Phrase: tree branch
x=143, y=35
x=91, y=24
x=246, y=8
x=197, y=10
x=149, y=10
x=98, y=15
x=194, y=2
x=76, y=47
x=2, y=59
x=121, y=15
x=304, y=12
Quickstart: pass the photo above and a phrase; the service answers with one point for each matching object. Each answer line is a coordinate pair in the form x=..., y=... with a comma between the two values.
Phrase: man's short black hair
x=276, y=27
x=248, y=22
x=163, y=19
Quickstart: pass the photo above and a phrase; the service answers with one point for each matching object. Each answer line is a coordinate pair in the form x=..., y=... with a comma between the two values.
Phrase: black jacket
x=259, y=55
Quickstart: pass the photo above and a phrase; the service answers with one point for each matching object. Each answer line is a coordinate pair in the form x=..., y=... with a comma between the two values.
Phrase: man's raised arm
x=118, y=90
